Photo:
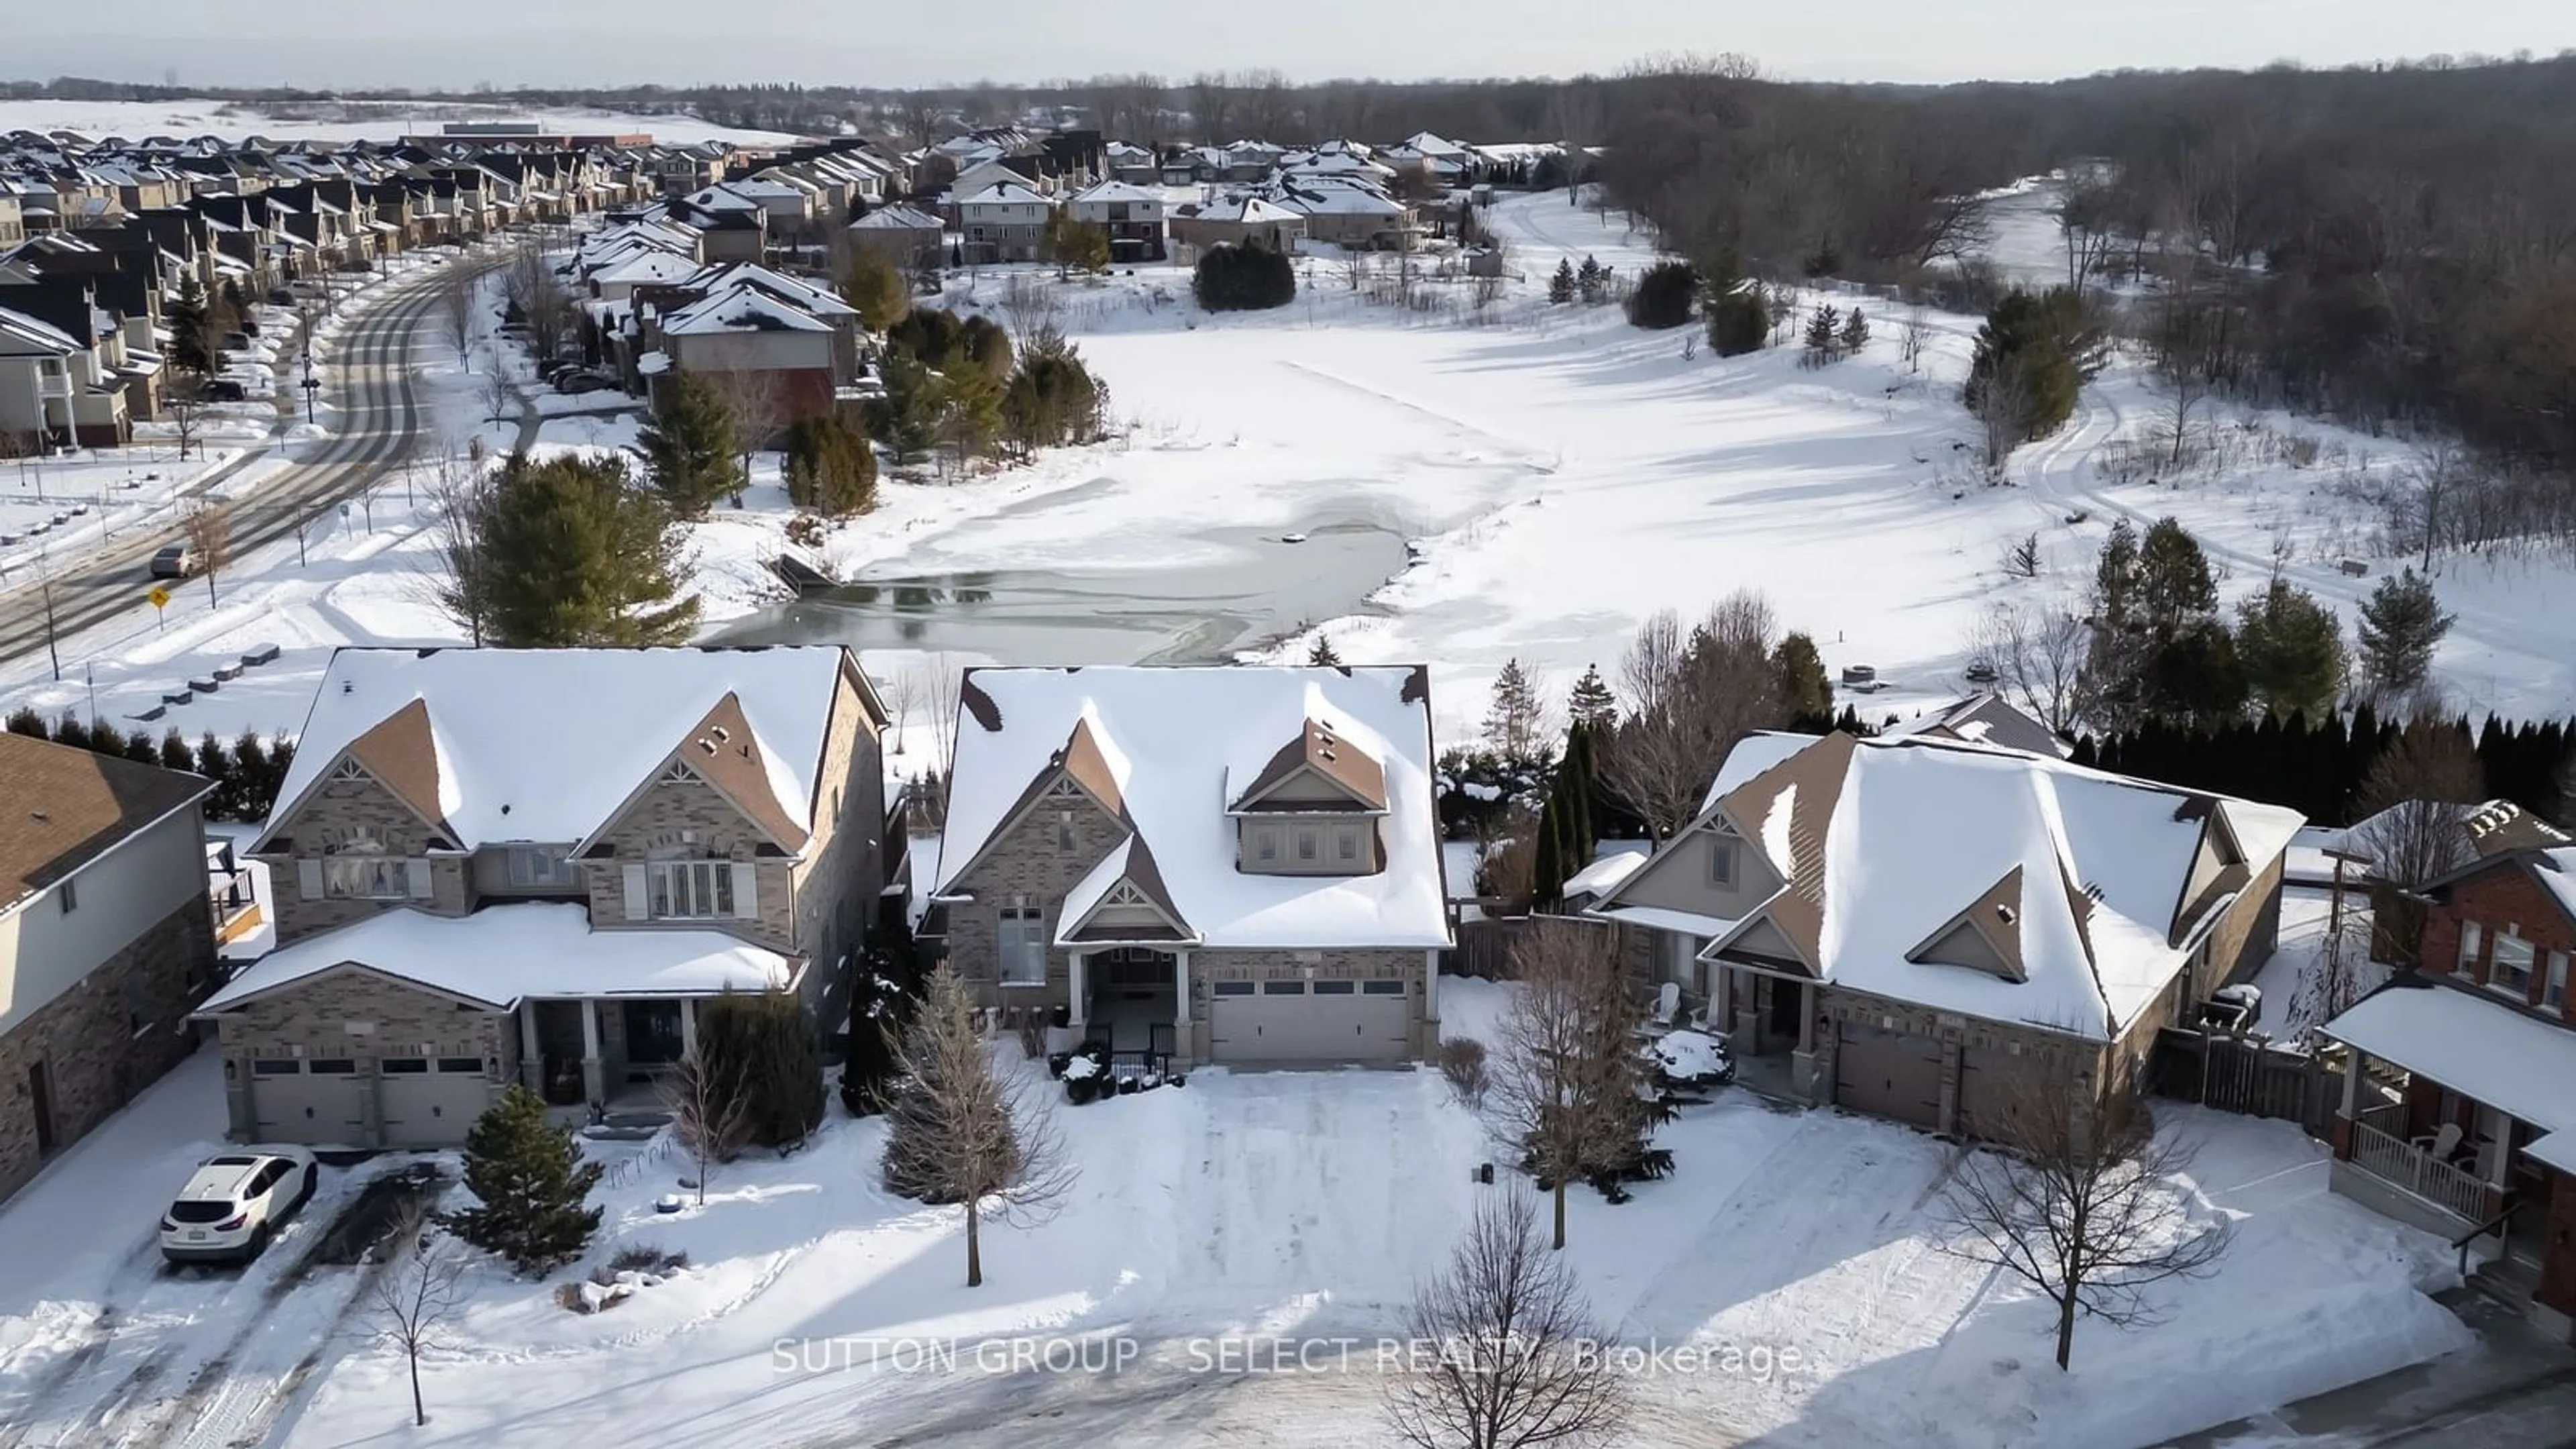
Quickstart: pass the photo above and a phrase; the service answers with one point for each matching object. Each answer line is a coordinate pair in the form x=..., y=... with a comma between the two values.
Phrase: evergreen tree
x=766, y=1046
x=1591, y=281
x=216, y=764
x=2174, y=582
x=2115, y=577
x=2402, y=623
x=255, y=777
x=831, y=469
x=906, y=416
x=874, y=286
x=1739, y=320
x=1803, y=687
x=1565, y=828
x=931, y=336
x=2195, y=681
x=2047, y=347
x=578, y=556
x=69, y=730
x=1321, y=655
x=106, y=739
x=879, y=1010
x=175, y=754
x=530, y=1184
x=970, y=411
x=1560, y=288
x=1824, y=337
x=141, y=750
x=1591, y=704
x=1667, y=294
x=25, y=721
x=691, y=451
x=1513, y=721
x=190, y=318
x=1855, y=332
x=2291, y=649
x=1074, y=246
x=1243, y=279
x=1051, y=399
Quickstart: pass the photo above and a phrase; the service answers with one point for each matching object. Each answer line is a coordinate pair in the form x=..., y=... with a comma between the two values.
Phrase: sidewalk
x=2515, y=1390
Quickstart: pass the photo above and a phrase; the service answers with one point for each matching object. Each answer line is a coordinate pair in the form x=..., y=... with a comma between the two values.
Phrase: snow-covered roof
x=2557, y=1150
x=648, y=266
x=2078, y=881
x=1004, y=193
x=1985, y=718
x=2478, y=1048
x=1160, y=744
x=1250, y=210
x=543, y=745
x=501, y=955
x=742, y=308
x=1118, y=191
x=897, y=218
x=1616, y=861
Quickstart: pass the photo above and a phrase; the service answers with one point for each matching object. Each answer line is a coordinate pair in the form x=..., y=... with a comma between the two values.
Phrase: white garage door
x=309, y=1099
x=432, y=1102
x=1318, y=1021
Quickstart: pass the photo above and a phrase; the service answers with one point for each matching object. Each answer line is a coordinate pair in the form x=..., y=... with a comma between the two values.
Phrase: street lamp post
x=310, y=386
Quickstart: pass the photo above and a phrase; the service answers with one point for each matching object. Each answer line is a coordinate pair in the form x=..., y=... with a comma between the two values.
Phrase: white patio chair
x=2441, y=1144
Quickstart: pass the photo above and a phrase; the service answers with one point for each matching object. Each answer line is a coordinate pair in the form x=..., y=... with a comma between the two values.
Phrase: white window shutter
x=308, y=879
x=746, y=891
x=418, y=872
x=638, y=899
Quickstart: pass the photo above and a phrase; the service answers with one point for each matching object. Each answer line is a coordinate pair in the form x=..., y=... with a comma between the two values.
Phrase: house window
x=1346, y=845
x=1283, y=988
x=368, y=877
x=2511, y=973
x=1064, y=830
x=1265, y=843
x=692, y=890
x=1306, y=845
x=403, y=1066
x=1721, y=862
x=275, y=1067
x=1021, y=946
x=2471, y=940
x=70, y=897
x=2553, y=989
x=1336, y=988
x=540, y=867
x=1382, y=988
x=1232, y=988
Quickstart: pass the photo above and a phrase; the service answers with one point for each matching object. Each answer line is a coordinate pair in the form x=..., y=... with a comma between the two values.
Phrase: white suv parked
x=232, y=1203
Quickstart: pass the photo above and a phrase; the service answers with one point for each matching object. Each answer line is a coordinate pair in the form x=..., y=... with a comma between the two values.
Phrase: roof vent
x=707, y=745
x=2005, y=914
x=721, y=733
x=348, y=686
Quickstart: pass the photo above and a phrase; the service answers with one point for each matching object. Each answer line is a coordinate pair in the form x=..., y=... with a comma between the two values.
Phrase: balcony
x=2404, y=1179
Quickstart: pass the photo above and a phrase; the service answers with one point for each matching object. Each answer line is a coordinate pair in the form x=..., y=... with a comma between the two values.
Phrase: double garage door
x=425, y=1101
x=1310, y=1021
x=1888, y=1074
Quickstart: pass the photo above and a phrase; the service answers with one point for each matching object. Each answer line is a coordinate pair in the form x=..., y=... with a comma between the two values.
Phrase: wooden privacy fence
x=2253, y=1076
x=1485, y=945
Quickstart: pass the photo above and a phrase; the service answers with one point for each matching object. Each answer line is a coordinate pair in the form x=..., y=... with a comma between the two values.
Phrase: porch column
x=1180, y=992
x=532, y=1062
x=1743, y=995
x=689, y=1027
x=594, y=1078
x=2340, y=1131
x=1074, y=987
x=1431, y=994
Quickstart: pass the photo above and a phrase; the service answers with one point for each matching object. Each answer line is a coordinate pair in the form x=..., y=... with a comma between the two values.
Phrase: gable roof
x=1166, y=742
x=1886, y=845
x=543, y=745
x=1985, y=718
x=61, y=808
x=1348, y=767
x=897, y=218
x=401, y=754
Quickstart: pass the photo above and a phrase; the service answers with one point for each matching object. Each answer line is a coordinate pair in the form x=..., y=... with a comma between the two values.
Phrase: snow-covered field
x=1233, y=1253
x=340, y=121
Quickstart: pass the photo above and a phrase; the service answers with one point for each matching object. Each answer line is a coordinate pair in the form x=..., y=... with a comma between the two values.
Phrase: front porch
x=1136, y=1002
x=1770, y=1022
x=608, y=1055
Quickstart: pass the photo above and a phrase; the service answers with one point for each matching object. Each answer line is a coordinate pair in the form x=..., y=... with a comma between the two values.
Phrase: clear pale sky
x=355, y=43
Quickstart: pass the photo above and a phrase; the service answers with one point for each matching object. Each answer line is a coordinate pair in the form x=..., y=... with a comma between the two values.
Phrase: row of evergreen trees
x=247, y=773
x=957, y=384
x=1243, y=279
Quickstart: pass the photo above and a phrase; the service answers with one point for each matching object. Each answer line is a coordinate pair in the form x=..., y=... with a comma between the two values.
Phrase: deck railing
x=2393, y=1160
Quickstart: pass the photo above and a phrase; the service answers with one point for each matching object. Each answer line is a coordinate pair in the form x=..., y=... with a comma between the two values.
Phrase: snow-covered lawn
x=189, y=117
x=1214, y=1223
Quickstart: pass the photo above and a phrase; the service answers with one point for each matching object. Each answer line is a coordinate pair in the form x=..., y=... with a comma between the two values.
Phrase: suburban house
x=1358, y=218
x=1229, y=865
x=2457, y=1112
x=1240, y=221
x=745, y=322
x=1131, y=215
x=902, y=235
x=1925, y=929
x=1003, y=222
x=106, y=941
x=498, y=866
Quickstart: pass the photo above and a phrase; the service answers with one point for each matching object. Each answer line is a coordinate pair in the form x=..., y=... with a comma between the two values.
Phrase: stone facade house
x=106, y=939
x=2457, y=1113
x=1002, y=222
x=1926, y=929
x=499, y=866
x=1228, y=865
x=1130, y=215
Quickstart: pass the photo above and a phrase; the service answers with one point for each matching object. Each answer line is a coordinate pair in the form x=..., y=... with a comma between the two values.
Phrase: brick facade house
x=1238, y=866
x=106, y=939
x=2457, y=1110
x=1929, y=929
x=501, y=866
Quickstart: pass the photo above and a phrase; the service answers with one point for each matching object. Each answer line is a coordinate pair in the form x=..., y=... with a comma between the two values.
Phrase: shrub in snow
x=877, y=1015
x=1243, y=279
x=1738, y=320
x=530, y=1185
x=1462, y=1066
x=831, y=469
x=1667, y=293
x=765, y=1047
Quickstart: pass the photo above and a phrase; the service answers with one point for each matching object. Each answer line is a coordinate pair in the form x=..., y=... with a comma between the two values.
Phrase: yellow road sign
x=159, y=596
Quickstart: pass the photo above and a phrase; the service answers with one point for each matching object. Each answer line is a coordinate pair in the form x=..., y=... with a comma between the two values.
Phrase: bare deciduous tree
x=2189, y=386
x=1566, y=1089
x=210, y=538
x=459, y=488
x=1912, y=334
x=757, y=405
x=1690, y=697
x=2076, y=1198
x=2412, y=801
x=962, y=1131
x=710, y=1116
x=458, y=293
x=2038, y=655
x=2336, y=977
x=1503, y=1350
x=2002, y=402
x=419, y=1286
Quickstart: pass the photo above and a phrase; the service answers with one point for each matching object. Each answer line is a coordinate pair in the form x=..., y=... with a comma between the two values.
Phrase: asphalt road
x=379, y=424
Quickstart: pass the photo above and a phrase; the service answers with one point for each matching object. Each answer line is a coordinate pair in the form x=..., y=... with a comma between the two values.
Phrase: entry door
x=40, y=1100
